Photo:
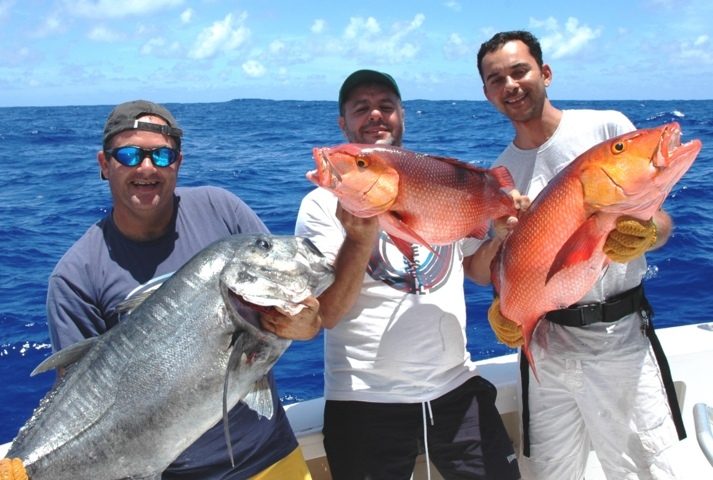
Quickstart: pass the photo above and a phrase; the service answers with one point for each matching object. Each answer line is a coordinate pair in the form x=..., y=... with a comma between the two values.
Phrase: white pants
x=615, y=405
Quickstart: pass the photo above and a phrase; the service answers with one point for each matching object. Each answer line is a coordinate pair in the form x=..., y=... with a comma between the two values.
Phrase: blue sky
x=98, y=52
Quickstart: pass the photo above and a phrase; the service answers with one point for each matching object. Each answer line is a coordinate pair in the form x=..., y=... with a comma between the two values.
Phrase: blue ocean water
x=50, y=193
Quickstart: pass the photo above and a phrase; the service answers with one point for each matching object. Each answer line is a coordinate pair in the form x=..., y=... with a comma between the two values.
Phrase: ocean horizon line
x=272, y=100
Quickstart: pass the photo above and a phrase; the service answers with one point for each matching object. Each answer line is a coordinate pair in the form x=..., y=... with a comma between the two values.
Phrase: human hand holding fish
x=303, y=324
x=630, y=239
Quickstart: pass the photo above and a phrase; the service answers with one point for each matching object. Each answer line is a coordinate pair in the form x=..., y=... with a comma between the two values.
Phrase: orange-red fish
x=418, y=198
x=555, y=254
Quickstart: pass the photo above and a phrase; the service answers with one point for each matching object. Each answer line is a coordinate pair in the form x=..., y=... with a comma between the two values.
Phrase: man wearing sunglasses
x=152, y=230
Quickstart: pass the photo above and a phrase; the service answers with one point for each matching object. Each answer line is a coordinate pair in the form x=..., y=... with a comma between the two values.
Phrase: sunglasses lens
x=129, y=156
x=163, y=157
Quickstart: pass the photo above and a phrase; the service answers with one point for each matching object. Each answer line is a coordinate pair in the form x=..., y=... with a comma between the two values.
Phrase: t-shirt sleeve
x=71, y=317
x=317, y=221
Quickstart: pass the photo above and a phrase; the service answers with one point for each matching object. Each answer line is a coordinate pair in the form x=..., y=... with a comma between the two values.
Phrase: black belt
x=610, y=310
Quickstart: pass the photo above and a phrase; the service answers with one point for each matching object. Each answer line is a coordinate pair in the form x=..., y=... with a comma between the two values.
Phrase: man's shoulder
x=85, y=250
x=593, y=117
x=205, y=192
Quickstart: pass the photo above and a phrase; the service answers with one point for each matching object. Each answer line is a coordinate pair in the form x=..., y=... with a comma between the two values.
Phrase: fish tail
x=12, y=469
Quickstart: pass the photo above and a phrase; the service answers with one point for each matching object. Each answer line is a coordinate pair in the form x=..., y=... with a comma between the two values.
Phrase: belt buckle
x=590, y=313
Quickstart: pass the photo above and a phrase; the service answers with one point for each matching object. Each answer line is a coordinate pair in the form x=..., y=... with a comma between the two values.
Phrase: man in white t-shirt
x=603, y=383
x=398, y=377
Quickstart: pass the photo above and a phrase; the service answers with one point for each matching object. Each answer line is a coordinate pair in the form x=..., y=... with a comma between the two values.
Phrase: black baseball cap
x=361, y=77
x=125, y=117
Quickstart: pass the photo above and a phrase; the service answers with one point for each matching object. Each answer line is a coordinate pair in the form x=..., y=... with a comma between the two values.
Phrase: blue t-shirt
x=103, y=268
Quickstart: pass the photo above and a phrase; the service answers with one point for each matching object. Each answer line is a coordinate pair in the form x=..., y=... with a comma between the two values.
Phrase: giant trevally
x=135, y=397
x=555, y=254
x=418, y=198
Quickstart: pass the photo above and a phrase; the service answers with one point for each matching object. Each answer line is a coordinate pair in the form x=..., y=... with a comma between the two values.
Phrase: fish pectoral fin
x=392, y=222
x=66, y=356
x=260, y=399
x=480, y=231
x=579, y=247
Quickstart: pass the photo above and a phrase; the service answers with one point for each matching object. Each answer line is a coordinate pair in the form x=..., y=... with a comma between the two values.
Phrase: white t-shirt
x=404, y=340
x=531, y=170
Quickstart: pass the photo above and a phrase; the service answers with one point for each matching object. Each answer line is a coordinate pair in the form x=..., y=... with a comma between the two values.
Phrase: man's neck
x=143, y=228
x=534, y=133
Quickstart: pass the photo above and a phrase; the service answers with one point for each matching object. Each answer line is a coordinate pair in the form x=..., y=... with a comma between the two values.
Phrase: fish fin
x=503, y=177
x=500, y=173
x=132, y=303
x=579, y=247
x=392, y=222
x=403, y=246
x=236, y=357
x=480, y=231
x=260, y=399
x=65, y=357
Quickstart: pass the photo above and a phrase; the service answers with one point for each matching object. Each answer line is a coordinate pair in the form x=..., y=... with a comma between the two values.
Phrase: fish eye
x=618, y=147
x=361, y=162
x=263, y=244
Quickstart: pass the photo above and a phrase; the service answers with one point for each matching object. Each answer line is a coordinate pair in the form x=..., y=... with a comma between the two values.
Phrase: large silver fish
x=135, y=397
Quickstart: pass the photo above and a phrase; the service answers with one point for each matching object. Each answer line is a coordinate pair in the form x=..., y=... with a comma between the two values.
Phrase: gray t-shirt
x=103, y=268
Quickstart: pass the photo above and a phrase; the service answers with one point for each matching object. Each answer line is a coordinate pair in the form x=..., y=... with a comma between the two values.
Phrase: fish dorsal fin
x=500, y=173
x=579, y=247
x=66, y=356
x=503, y=177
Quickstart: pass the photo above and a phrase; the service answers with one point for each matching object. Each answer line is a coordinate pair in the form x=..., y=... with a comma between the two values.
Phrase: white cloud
x=153, y=45
x=453, y=5
x=701, y=40
x=114, y=9
x=698, y=51
x=187, y=15
x=456, y=47
x=560, y=41
x=318, y=26
x=365, y=38
x=359, y=26
x=224, y=35
x=103, y=34
x=253, y=68
x=276, y=47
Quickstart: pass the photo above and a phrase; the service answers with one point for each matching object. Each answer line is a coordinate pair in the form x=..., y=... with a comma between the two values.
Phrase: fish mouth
x=325, y=175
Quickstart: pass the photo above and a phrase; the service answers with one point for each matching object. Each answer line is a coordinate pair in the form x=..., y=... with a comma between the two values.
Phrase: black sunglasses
x=132, y=156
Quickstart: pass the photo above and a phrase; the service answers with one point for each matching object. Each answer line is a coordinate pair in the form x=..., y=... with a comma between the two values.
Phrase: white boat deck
x=689, y=350
x=690, y=354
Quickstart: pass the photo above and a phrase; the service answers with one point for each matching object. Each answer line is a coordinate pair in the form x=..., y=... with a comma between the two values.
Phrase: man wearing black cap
x=398, y=378
x=151, y=231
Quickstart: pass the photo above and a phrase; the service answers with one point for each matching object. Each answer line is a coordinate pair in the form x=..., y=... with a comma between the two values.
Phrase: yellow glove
x=12, y=469
x=507, y=331
x=630, y=239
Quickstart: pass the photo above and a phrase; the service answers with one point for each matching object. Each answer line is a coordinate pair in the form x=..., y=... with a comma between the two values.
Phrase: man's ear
x=103, y=165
